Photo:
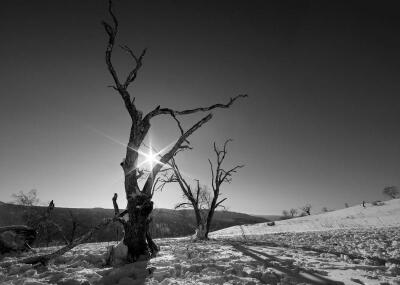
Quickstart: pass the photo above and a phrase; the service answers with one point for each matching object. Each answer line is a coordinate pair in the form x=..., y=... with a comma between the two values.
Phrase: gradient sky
x=321, y=125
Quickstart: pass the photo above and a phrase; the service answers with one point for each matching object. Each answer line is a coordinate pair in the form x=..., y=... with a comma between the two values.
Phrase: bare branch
x=160, y=182
x=220, y=202
x=225, y=175
x=183, y=205
x=59, y=230
x=179, y=126
x=166, y=157
x=165, y=111
x=112, y=30
x=197, y=192
x=43, y=259
x=212, y=175
x=224, y=152
x=179, y=178
x=138, y=64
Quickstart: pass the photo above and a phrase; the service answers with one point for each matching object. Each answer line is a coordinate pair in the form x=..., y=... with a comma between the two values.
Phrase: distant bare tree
x=306, y=209
x=26, y=199
x=293, y=212
x=346, y=205
x=324, y=210
x=391, y=191
x=40, y=219
x=205, y=202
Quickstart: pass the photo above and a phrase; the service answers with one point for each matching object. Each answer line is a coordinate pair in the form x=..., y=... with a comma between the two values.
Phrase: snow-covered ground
x=385, y=215
x=333, y=252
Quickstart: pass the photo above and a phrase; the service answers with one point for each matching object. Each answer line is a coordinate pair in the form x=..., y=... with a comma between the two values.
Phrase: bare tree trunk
x=201, y=233
x=137, y=237
x=137, y=229
x=210, y=217
x=199, y=219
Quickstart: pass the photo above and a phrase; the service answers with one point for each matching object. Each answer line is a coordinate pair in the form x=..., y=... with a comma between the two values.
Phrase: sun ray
x=151, y=158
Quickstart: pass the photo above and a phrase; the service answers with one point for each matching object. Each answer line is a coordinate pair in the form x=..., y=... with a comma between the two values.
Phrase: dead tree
x=218, y=177
x=391, y=191
x=306, y=209
x=203, y=203
x=197, y=198
x=139, y=201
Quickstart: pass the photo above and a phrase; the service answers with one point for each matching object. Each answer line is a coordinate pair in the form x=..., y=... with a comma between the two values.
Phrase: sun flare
x=151, y=158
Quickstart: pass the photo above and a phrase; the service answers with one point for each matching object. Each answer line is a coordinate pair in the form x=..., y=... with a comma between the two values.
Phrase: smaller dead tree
x=203, y=202
x=218, y=177
x=391, y=191
x=306, y=209
x=293, y=212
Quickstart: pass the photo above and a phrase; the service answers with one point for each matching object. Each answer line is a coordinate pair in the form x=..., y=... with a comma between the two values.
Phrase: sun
x=151, y=158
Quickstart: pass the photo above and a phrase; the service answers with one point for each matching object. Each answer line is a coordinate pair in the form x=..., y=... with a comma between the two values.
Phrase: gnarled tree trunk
x=139, y=205
x=137, y=237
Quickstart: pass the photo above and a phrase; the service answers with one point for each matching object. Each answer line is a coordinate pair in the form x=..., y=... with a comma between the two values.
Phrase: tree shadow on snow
x=298, y=273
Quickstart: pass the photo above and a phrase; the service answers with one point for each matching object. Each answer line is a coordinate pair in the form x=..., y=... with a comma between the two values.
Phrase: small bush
x=378, y=203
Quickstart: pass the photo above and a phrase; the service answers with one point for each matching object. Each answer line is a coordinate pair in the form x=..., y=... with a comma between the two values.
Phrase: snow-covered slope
x=372, y=216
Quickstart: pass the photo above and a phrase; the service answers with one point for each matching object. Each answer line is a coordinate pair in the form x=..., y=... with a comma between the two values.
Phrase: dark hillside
x=166, y=222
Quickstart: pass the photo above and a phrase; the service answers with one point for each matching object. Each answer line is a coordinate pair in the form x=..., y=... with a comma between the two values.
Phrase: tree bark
x=210, y=217
x=201, y=233
x=137, y=229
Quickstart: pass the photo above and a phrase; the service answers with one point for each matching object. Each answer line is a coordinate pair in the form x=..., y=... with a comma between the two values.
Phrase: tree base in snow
x=201, y=233
x=118, y=255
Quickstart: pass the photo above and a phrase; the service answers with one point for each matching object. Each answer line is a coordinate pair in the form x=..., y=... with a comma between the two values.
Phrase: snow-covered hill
x=387, y=214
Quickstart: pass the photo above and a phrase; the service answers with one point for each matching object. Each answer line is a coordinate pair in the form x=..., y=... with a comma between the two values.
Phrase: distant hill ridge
x=166, y=222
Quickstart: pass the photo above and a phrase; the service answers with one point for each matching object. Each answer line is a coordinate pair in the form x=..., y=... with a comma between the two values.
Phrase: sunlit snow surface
x=215, y=262
x=240, y=255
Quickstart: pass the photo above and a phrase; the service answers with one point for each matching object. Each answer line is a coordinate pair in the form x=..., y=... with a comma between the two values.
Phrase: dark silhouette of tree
x=26, y=199
x=391, y=191
x=136, y=218
x=306, y=209
x=293, y=212
x=139, y=201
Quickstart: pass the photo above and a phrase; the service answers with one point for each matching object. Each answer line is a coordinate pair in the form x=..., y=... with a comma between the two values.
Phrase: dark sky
x=321, y=125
